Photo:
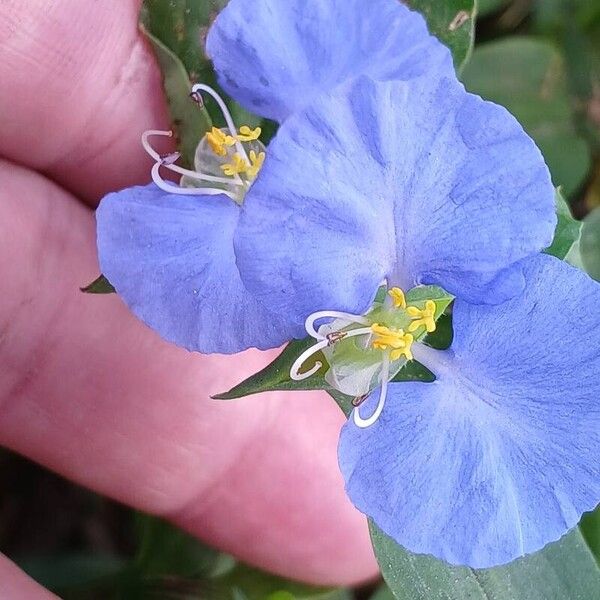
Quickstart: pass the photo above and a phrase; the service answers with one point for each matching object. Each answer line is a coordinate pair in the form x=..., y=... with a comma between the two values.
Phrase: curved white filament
x=175, y=189
x=385, y=375
x=295, y=368
x=176, y=168
x=197, y=88
x=146, y=144
x=309, y=324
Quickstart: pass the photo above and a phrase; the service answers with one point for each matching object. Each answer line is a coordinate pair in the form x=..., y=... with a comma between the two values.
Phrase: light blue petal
x=416, y=182
x=170, y=258
x=275, y=56
x=501, y=455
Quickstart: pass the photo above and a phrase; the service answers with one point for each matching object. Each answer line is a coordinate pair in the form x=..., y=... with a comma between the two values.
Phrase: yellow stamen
x=248, y=135
x=397, y=296
x=256, y=163
x=237, y=166
x=395, y=339
x=219, y=141
x=422, y=317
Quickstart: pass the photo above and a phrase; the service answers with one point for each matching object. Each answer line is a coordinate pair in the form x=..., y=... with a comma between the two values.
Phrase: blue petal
x=417, y=182
x=501, y=455
x=170, y=258
x=275, y=56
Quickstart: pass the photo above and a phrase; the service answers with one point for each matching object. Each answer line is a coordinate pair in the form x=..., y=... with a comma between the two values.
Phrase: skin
x=86, y=389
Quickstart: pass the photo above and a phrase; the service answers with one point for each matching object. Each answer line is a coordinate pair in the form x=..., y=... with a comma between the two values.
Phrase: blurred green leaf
x=527, y=77
x=189, y=120
x=383, y=593
x=576, y=25
x=485, y=7
x=257, y=585
x=567, y=231
x=75, y=575
x=590, y=244
x=453, y=22
x=564, y=570
x=101, y=285
x=166, y=550
x=173, y=564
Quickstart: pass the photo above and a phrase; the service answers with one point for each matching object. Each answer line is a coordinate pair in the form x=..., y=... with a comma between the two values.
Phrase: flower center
x=226, y=161
x=389, y=338
x=366, y=351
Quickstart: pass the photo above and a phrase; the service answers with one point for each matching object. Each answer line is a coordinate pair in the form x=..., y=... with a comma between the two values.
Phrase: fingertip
x=16, y=585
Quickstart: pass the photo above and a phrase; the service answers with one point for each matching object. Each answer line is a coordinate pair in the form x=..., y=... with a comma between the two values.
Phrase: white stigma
x=383, y=378
x=309, y=324
x=295, y=369
x=172, y=188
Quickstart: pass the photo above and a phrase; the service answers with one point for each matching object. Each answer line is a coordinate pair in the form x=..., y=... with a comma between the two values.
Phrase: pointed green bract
x=100, y=285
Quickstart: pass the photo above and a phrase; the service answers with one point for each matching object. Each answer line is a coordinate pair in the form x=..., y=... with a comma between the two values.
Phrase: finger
x=79, y=86
x=91, y=393
x=15, y=585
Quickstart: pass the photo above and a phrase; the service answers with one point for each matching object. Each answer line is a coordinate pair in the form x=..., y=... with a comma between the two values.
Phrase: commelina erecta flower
x=384, y=170
x=418, y=184
x=168, y=250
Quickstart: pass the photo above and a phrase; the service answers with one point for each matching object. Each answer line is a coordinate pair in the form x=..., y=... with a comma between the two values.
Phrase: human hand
x=86, y=389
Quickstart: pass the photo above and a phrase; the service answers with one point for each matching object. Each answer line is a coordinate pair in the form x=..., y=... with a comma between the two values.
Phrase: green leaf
x=486, y=7
x=590, y=244
x=575, y=24
x=189, y=120
x=181, y=26
x=276, y=375
x=383, y=592
x=166, y=550
x=64, y=573
x=590, y=528
x=564, y=570
x=101, y=285
x=173, y=564
x=527, y=77
x=567, y=231
x=452, y=22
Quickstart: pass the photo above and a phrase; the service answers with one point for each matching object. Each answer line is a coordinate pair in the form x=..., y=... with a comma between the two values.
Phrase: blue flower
x=500, y=455
x=275, y=57
x=411, y=183
x=421, y=184
x=168, y=250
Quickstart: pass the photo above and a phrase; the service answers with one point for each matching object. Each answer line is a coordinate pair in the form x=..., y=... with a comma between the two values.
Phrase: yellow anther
x=219, y=141
x=397, y=296
x=246, y=134
x=237, y=166
x=424, y=317
x=396, y=340
x=256, y=163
